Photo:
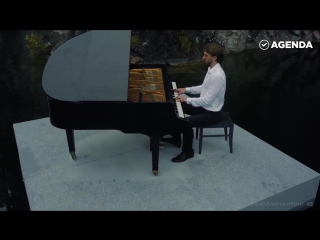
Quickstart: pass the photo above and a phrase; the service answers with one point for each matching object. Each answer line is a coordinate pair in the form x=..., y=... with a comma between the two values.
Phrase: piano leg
x=71, y=145
x=154, y=145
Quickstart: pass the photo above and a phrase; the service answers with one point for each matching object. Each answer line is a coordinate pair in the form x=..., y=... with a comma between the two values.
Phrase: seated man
x=205, y=109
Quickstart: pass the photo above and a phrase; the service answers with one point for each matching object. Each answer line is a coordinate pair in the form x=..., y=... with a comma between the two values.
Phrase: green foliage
x=135, y=41
x=36, y=42
x=186, y=44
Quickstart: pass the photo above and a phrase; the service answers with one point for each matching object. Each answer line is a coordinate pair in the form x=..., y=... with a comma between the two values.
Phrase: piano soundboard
x=146, y=85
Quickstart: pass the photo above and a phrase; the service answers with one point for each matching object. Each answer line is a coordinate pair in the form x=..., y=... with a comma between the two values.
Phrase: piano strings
x=146, y=85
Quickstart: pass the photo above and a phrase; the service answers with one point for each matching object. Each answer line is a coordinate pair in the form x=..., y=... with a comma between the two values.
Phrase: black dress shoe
x=173, y=141
x=182, y=157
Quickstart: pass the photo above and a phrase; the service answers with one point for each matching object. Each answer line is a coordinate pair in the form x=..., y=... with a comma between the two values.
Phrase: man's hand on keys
x=180, y=90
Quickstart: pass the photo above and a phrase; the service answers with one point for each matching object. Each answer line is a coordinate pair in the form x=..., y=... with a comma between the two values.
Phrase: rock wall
x=176, y=46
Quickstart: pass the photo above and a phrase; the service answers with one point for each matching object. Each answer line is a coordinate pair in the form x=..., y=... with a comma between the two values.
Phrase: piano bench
x=225, y=123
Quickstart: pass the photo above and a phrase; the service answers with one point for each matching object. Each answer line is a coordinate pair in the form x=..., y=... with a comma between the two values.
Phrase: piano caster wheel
x=73, y=155
x=155, y=172
x=161, y=144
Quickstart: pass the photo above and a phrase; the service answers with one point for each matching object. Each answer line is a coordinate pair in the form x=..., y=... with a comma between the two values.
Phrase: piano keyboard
x=179, y=108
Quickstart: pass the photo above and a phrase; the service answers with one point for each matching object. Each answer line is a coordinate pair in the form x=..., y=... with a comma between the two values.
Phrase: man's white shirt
x=211, y=91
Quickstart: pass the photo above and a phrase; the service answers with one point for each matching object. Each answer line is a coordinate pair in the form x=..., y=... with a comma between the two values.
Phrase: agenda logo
x=264, y=44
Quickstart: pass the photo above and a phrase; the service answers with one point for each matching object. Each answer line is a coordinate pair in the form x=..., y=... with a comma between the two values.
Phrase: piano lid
x=93, y=66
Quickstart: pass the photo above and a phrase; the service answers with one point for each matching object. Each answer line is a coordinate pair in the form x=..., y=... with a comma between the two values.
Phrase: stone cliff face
x=233, y=40
x=175, y=46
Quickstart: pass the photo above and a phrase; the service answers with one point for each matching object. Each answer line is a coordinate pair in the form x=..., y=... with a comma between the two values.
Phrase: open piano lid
x=93, y=66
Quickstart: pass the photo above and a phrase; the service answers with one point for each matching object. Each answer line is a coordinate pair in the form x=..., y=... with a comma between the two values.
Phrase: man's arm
x=216, y=83
x=194, y=90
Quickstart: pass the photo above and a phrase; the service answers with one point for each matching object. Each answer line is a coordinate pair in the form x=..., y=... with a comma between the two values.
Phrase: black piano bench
x=225, y=123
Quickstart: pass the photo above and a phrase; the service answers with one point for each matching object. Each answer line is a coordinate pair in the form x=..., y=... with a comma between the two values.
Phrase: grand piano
x=91, y=84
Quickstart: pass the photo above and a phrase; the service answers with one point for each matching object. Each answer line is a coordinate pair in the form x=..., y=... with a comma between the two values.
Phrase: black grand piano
x=91, y=84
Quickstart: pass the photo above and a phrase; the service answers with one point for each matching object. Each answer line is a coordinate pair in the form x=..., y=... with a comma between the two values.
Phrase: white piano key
x=180, y=111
